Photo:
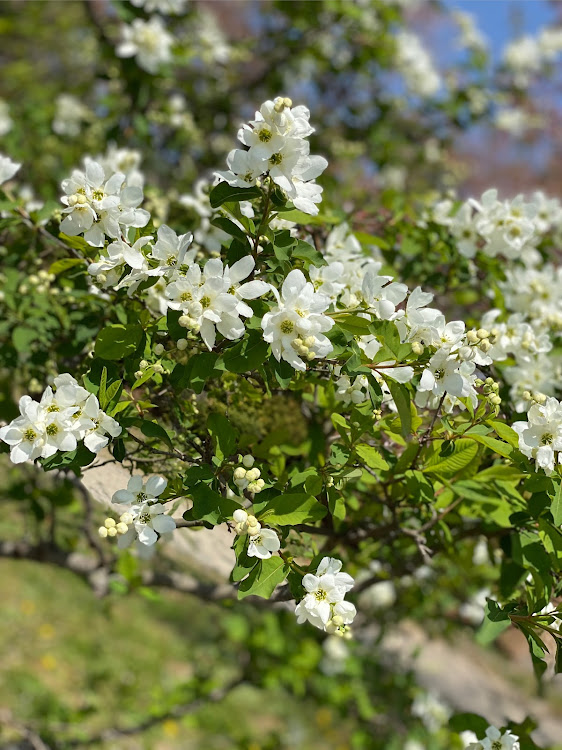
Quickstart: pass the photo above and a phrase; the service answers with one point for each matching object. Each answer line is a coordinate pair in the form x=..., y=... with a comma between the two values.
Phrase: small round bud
x=417, y=347
x=158, y=368
x=138, y=374
x=527, y=395
x=471, y=337
x=489, y=381
x=297, y=343
x=309, y=341
x=143, y=364
x=254, y=529
x=248, y=460
x=184, y=321
x=102, y=531
x=495, y=399
x=239, y=473
x=158, y=349
x=181, y=344
x=112, y=531
x=109, y=523
x=122, y=528
x=252, y=520
x=540, y=398
x=485, y=345
x=240, y=515
x=253, y=474
x=482, y=333
x=126, y=518
x=310, y=356
x=287, y=102
x=466, y=352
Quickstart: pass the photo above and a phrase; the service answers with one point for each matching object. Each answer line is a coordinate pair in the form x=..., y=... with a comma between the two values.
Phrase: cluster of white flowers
x=98, y=207
x=471, y=36
x=432, y=711
x=144, y=519
x=494, y=740
x=66, y=414
x=416, y=66
x=324, y=604
x=70, y=114
x=527, y=56
x=540, y=437
x=295, y=327
x=247, y=476
x=277, y=147
x=262, y=542
x=148, y=42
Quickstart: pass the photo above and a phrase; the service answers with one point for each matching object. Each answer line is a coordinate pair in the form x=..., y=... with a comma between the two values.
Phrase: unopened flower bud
x=485, y=346
x=181, y=344
x=109, y=523
x=253, y=474
x=466, y=352
x=240, y=515
x=471, y=337
x=527, y=395
x=495, y=399
x=310, y=356
x=112, y=531
x=417, y=347
x=309, y=341
x=126, y=518
x=102, y=531
x=540, y=398
x=184, y=321
x=482, y=333
x=158, y=349
x=239, y=473
x=122, y=528
x=248, y=460
x=143, y=364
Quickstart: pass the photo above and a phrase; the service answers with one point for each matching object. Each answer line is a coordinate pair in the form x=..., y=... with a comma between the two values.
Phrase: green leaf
x=155, y=430
x=371, y=457
x=118, y=341
x=292, y=509
x=224, y=193
x=230, y=227
x=223, y=434
x=247, y=354
x=556, y=507
x=59, y=266
x=497, y=446
x=354, y=324
x=23, y=336
x=263, y=579
x=401, y=396
x=73, y=460
x=464, y=453
x=209, y=506
x=196, y=372
x=496, y=620
x=244, y=564
x=505, y=432
x=103, y=386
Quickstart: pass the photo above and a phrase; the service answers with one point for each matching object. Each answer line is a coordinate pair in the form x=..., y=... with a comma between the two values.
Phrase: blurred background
x=412, y=100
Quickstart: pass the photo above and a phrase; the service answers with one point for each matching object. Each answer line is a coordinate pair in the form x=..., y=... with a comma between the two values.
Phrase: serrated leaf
x=264, y=578
x=292, y=509
x=371, y=457
x=465, y=451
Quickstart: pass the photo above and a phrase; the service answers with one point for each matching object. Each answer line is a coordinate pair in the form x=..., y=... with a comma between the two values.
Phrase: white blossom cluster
x=167, y=7
x=277, y=147
x=262, y=542
x=66, y=414
x=8, y=168
x=416, y=66
x=495, y=740
x=148, y=42
x=98, y=207
x=247, y=476
x=144, y=520
x=540, y=437
x=528, y=55
x=324, y=604
x=70, y=114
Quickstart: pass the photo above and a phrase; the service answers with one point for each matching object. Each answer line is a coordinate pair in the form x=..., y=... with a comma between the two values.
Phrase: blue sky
x=500, y=20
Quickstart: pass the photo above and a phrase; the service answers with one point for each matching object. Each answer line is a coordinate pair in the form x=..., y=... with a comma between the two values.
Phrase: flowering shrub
x=270, y=369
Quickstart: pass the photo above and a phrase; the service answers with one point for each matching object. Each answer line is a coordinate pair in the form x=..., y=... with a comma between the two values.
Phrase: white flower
x=140, y=492
x=97, y=437
x=26, y=434
x=147, y=41
x=70, y=113
x=170, y=250
x=325, y=590
x=8, y=168
x=415, y=64
x=169, y=7
x=148, y=522
x=263, y=544
x=296, y=326
x=494, y=740
x=431, y=710
x=540, y=438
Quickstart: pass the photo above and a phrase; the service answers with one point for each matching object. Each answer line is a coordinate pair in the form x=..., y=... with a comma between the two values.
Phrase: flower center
x=265, y=135
x=186, y=297
x=142, y=497
x=286, y=326
x=320, y=595
x=205, y=302
x=497, y=745
x=97, y=195
x=547, y=438
x=53, y=407
x=51, y=429
x=276, y=159
x=29, y=435
x=439, y=374
x=171, y=260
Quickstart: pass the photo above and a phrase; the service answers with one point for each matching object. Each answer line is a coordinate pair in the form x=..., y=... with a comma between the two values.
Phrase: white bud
x=239, y=474
x=109, y=523
x=181, y=344
x=472, y=337
x=184, y=321
x=417, y=347
x=143, y=364
x=240, y=515
x=158, y=349
x=102, y=531
x=126, y=518
x=248, y=460
x=482, y=333
x=112, y=531
x=122, y=528
x=253, y=474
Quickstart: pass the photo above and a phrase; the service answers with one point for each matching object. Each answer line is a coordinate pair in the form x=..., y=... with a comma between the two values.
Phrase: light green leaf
x=264, y=578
